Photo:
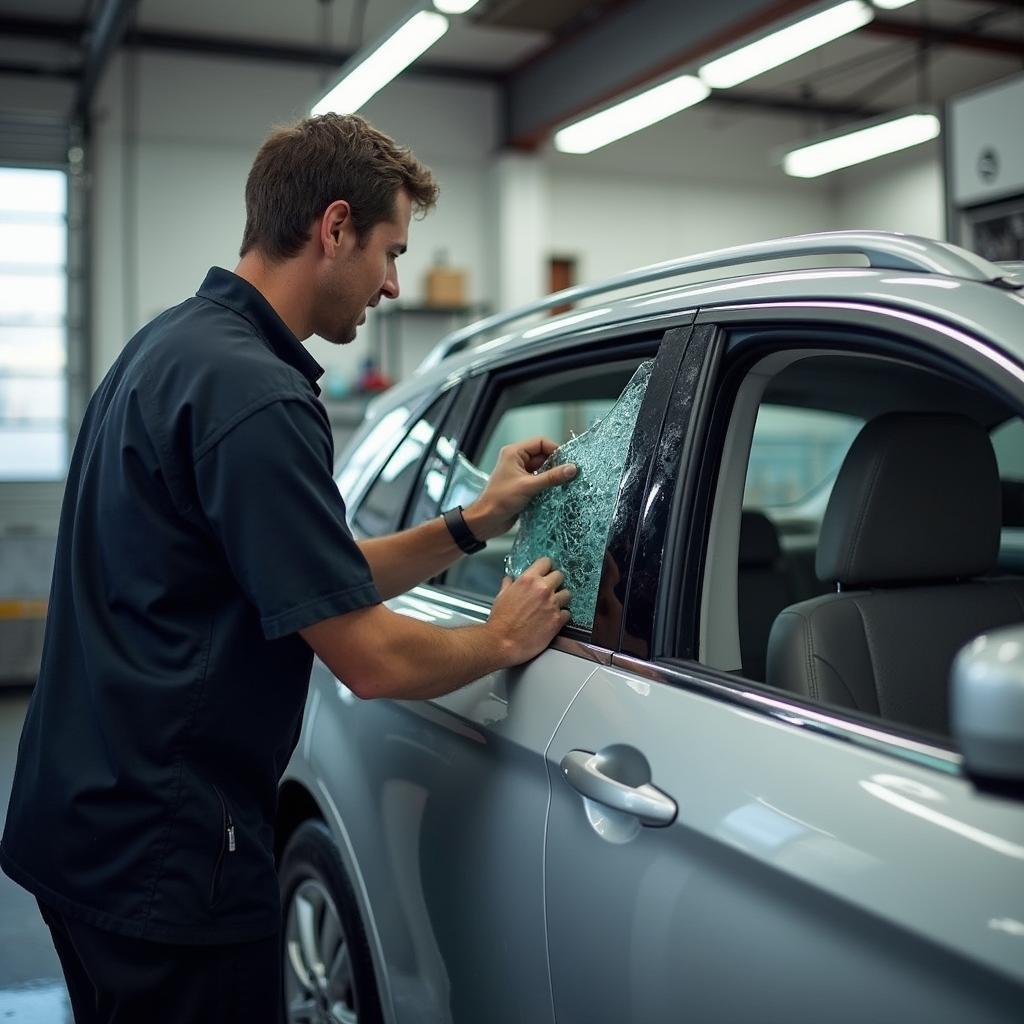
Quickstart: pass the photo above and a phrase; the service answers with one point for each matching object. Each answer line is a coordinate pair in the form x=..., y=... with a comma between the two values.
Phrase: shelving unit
x=406, y=333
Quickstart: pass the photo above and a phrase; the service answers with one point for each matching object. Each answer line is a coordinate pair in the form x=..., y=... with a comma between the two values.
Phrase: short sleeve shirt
x=201, y=529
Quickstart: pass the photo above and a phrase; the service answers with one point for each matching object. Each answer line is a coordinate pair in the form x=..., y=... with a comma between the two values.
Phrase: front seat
x=912, y=524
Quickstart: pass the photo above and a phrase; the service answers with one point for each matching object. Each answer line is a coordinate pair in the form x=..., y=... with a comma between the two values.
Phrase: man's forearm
x=405, y=659
x=378, y=653
x=403, y=560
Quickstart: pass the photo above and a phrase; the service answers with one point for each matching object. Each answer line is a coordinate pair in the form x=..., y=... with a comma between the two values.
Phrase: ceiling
x=558, y=58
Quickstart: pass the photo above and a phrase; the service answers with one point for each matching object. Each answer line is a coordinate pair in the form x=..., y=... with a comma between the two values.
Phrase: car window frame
x=641, y=338
x=889, y=331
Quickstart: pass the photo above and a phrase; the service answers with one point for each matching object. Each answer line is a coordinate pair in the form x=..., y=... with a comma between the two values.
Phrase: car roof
x=908, y=273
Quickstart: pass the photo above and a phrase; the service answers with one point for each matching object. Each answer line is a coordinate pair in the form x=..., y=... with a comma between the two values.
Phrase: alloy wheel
x=318, y=983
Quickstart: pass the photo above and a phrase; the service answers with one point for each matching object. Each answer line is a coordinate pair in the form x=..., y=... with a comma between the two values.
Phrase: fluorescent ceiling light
x=864, y=144
x=891, y=5
x=784, y=45
x=631, y=115
x=389, y=59
x=461, y=6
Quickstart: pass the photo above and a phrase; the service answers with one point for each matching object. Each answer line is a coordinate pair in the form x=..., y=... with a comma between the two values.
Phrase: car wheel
x=327, y=971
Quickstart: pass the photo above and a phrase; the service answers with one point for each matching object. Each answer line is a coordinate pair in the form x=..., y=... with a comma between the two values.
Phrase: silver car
x=774, y=770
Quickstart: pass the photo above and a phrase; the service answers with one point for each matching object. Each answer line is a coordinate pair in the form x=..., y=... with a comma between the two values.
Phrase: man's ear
x=335, y=227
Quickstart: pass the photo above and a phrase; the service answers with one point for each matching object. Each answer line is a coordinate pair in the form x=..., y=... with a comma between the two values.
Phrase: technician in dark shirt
x=203, y=556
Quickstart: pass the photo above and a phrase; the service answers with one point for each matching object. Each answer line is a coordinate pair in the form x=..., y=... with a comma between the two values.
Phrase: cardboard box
x=445, y=287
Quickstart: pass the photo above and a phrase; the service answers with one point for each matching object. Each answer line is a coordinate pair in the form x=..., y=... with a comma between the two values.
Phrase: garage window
x=33, y=324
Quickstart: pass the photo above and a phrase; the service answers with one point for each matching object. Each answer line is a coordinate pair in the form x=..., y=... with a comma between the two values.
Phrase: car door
x=456, y=788
x=720, y=851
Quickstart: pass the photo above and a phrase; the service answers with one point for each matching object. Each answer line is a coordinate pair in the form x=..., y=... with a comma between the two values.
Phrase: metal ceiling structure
x=553, y=59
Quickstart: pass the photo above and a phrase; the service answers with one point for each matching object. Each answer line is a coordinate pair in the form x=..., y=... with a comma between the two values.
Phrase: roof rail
x=1013, y=272
x=882, y=249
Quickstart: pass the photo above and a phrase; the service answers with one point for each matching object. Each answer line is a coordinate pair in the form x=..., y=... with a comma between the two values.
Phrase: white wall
x=170, y=179
x=169, y=185
x=613, y=224
x=902, y=192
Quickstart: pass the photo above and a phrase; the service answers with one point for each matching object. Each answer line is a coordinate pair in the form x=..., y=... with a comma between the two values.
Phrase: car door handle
x=645, y=803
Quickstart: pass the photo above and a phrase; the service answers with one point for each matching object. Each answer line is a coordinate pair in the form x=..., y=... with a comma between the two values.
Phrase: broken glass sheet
x=570, y=523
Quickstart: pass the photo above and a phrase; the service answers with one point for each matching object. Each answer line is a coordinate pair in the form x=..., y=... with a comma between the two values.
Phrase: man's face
x=360, y=276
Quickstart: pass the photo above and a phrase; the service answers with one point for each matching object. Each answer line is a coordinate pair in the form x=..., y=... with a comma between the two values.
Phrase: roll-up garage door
x=33, y=139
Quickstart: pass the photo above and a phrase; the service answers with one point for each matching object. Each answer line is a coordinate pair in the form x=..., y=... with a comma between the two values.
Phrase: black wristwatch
x=461, y=533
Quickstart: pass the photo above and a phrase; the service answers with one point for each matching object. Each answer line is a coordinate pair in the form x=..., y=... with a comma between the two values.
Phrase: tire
x=327, y=972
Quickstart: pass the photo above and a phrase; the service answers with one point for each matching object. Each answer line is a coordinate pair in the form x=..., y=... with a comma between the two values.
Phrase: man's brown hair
x=302, y=168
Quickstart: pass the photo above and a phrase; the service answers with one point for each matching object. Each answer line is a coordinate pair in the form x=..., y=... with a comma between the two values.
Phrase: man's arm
x=378, y=653
x=403, y=560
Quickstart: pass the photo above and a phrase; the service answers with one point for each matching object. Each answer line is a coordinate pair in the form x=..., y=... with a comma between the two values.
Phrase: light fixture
x=461, y=6
x=891, y=5
x=631, y=115
x=363, y=77
x=854, y=147
x=784, y=45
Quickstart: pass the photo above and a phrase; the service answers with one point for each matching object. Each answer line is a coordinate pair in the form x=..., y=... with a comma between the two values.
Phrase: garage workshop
x=646, y=641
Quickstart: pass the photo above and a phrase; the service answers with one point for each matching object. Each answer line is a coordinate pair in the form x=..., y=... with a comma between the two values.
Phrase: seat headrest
x=759, y=540
x=917, y=498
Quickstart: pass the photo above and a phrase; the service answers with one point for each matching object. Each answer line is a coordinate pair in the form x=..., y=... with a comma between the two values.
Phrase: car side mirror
x=987, y=709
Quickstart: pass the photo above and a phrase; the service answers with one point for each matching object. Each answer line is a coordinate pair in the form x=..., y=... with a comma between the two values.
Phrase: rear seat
x=769, y=580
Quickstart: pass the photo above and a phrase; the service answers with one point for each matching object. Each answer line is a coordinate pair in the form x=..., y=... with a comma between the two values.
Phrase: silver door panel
x=445, y=804
x=803, y=878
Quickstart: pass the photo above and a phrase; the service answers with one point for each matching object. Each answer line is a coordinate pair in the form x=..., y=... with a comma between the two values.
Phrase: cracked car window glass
x=570, y=523
x=593, y=417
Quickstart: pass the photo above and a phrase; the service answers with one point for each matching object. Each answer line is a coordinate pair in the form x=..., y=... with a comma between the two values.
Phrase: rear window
x=1008, y=442
x=795, y=454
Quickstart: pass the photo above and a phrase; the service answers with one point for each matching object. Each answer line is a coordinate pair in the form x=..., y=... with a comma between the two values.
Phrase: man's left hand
x=513, y=484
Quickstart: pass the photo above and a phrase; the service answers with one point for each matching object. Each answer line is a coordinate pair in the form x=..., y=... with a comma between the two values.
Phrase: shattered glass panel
x=569, y=524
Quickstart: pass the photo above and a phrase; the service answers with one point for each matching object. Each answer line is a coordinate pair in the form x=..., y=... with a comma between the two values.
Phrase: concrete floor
x=31, y=986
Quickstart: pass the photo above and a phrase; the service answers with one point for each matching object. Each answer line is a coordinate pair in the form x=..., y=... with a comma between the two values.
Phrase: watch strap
x=461, y=533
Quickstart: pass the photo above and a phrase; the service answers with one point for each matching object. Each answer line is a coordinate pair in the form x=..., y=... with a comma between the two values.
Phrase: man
x=202, y=558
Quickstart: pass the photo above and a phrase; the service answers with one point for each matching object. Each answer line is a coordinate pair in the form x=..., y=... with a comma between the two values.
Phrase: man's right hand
x=529, y=611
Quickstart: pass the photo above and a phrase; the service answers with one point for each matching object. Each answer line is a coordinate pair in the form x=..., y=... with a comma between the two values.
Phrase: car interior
x=860, y=593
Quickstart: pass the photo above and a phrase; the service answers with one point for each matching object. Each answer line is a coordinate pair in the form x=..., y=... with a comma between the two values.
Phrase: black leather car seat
x=764, y=588
x=912, y=522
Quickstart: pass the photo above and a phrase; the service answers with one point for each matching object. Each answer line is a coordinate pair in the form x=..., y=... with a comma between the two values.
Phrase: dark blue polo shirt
x=201, y=528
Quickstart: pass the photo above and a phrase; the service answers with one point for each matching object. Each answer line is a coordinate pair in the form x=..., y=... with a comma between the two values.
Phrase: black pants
x=116, y=980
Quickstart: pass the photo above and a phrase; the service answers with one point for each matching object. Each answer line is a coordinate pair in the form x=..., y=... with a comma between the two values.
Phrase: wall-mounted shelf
x=406, y=333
